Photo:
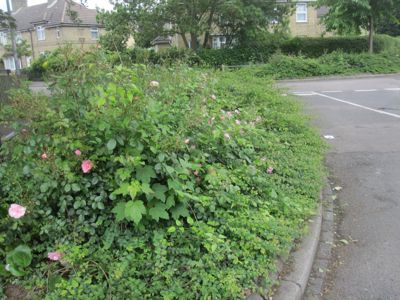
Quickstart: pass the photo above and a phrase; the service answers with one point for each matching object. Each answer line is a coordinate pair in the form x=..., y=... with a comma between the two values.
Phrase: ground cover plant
x=336, y=63
x=152, y=183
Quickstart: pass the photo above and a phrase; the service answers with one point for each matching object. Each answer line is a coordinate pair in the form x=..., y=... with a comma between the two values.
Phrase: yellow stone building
x=304, y=21
x=47, y=26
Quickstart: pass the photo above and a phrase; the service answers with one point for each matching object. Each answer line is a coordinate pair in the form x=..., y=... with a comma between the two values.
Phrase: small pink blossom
x=237, y=122
x=270, y=170
x=44, y=156
x=86, y=166
x=16, y=211
x=154, y=83
x=187, y=141
x=229, y=114
x=55, y=256
x=227, y=136
x=78, y=152
x=213, y=97
x=222, y=117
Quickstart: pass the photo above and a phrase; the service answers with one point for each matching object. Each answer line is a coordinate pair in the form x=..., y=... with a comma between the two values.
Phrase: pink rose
x=16, y=211
x=154, y=83
x=44, y=156
x=270, y=170
x=86, y=166
x=55, y=256
x=78, y=152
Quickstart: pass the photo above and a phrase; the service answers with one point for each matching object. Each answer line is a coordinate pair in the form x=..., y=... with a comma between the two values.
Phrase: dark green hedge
x=315, y=47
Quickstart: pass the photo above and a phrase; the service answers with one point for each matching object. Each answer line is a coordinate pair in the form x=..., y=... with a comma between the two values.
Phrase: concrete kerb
x=338, y=77
x=292, y=285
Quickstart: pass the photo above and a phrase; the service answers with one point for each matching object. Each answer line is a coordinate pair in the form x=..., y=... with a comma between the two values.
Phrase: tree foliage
x=353, y=16
x=6, y=21
x=390, y=26
x=23, y=49
x=193, y=20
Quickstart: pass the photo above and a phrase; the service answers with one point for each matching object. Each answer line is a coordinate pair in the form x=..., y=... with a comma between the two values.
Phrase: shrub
x=315, y=47
x=336, y=63
x=155, y=183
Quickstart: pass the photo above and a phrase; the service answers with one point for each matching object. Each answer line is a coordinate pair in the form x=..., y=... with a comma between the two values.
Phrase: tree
x=390, y=27
x=23, y=49
x=6, y=21
x=352, y=16
x=193, y=20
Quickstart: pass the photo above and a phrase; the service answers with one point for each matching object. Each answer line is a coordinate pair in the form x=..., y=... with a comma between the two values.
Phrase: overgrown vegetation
x=337, y=63
x=152, y=183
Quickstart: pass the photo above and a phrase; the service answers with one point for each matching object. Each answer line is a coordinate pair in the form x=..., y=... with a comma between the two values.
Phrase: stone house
x=304, y=21
x=48, y=26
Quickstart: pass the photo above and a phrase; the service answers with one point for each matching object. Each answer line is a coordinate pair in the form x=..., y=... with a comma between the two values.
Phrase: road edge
x=338, y=77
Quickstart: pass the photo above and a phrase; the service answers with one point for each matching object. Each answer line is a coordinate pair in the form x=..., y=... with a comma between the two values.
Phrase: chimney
x=17, y=4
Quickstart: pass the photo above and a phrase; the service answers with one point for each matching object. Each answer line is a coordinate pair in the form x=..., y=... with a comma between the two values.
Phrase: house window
x=58, y=33
x=94, y=33
x=18, y=37
x=40, y=32
x=3, y=38
x=218, y=42
x=9, y=63
x=28, y=61
x=301, y=12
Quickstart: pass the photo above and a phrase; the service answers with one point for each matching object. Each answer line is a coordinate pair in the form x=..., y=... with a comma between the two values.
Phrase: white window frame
x=301, y=10
x=9, y=63
x=218, y=42
x=94, y=30
x=3, y=38
x=41, y=33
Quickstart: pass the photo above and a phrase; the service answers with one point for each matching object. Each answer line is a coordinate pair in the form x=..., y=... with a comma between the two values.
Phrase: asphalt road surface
x=363, y=116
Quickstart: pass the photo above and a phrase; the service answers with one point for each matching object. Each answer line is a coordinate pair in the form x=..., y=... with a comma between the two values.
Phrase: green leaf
x=44, y=187
x=18, y=259
x=146, y=189
x=179, y=210
x=273, y=194
x=159, y=191
x=144, y=174
x=16, y=271
x=119, y=211
x=134, y=210
x=111, y=144
x=76, y=187
x=159, y=212
x=67, y=188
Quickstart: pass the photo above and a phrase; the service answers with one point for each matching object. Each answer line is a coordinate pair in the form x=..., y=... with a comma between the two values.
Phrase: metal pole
x=13, y=42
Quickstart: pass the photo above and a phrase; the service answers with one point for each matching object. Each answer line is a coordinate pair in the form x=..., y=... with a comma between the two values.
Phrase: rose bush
x=185, y=189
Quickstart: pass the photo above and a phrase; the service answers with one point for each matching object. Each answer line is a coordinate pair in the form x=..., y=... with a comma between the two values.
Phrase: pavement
x=363, y=116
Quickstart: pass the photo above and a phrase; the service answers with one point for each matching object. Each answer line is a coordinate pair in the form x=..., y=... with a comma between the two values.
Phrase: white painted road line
x=371, y=90
x=331, y=92
x=304, y=94
x=392, y=89
x=358, y=105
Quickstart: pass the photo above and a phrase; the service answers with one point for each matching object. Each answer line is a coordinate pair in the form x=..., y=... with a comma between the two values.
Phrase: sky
x=92, y=3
